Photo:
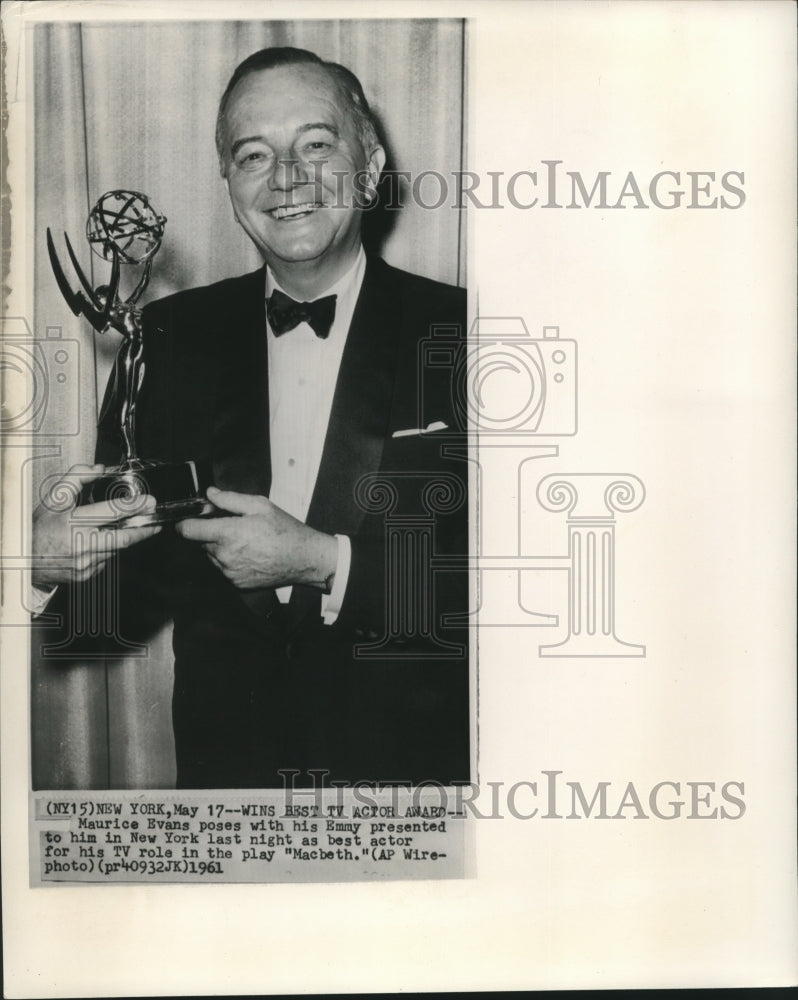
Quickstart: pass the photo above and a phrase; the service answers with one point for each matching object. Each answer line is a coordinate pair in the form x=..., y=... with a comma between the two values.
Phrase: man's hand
x=61, y=556
x=262, y=546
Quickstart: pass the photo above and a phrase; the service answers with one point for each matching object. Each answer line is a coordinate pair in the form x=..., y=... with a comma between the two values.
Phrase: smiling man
x=303, y=646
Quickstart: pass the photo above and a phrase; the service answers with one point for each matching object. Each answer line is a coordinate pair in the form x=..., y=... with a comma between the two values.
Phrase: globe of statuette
x=125, y=221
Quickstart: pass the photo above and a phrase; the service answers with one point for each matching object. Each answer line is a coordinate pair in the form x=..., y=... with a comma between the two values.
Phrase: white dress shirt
x=303, y=372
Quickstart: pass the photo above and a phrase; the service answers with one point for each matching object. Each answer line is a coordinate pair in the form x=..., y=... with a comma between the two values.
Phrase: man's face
x=291, y=153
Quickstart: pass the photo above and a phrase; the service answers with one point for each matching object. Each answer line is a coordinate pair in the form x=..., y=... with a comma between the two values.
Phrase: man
x=300, y=383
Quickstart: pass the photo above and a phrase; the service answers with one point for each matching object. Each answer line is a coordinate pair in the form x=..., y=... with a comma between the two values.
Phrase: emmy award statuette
x=124, y=228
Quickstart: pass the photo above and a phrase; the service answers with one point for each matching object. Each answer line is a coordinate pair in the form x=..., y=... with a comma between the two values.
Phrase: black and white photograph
x=242, y=182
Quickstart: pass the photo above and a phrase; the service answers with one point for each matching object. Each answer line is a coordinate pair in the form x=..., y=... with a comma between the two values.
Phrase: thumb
x=236, y=503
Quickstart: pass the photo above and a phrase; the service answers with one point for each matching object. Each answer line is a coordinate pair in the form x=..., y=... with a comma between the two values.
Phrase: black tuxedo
x=262, y=687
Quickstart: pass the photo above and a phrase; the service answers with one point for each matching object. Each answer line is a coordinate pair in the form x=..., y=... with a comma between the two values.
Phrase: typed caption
x=335, y=835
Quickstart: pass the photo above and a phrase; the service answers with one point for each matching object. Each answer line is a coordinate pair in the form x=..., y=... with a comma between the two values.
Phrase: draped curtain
x=133, y=106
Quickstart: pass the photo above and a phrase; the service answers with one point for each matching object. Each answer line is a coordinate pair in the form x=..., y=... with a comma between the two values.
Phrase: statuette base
x=178, y=487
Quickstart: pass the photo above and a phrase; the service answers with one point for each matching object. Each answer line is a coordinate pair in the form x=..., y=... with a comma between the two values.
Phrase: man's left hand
x=260, y=545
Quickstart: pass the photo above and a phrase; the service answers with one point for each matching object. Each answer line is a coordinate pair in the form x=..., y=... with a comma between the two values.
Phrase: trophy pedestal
x=178, y=487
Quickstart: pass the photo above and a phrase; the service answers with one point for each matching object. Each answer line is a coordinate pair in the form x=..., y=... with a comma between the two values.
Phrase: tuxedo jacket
x=264, y=693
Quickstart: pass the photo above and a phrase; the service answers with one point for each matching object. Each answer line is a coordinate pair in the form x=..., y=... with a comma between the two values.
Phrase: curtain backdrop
x=133, y=106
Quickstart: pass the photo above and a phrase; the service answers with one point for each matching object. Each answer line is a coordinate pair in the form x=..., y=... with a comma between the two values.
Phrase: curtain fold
x=133, y=105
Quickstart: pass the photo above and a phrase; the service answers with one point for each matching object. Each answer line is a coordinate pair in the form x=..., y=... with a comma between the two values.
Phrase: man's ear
x=373, y=169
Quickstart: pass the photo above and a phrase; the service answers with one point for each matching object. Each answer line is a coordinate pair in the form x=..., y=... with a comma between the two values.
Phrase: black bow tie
x=284, y=314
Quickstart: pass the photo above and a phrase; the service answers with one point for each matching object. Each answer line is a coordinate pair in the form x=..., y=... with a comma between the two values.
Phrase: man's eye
x=317, y=148
x=251, y=159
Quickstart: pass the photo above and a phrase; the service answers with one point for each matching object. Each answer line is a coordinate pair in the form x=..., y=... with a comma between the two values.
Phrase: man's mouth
x=294, y=211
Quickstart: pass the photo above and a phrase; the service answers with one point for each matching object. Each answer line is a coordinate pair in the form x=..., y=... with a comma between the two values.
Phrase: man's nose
x=288, y=173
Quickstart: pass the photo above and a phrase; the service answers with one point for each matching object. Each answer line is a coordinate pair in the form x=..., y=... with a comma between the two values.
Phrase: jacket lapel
x=241, y=450
x=361, y=406
x=359, y=418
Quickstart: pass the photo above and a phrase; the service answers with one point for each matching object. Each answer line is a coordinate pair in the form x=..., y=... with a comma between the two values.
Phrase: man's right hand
x=61, y=556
